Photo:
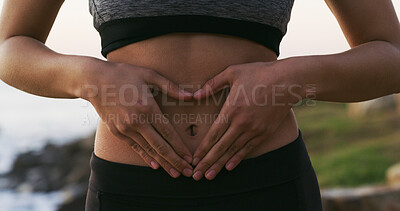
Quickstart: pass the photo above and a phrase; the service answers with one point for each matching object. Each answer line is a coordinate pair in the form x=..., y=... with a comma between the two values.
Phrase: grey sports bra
x=121, y=22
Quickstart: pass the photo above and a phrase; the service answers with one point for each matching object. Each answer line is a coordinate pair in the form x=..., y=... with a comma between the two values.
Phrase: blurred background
x=45, y=143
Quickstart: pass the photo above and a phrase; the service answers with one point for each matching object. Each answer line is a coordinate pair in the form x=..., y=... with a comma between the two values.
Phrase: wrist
x=287, y=81
x=89, y=71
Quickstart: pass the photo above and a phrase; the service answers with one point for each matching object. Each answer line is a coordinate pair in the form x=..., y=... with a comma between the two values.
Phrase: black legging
x=280, y=180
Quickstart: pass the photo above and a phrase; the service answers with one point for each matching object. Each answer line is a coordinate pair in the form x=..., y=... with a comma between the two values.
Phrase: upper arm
x=32, y=18
x=366, y=20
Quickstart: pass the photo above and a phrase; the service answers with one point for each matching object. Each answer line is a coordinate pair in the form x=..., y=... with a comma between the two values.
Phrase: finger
x=232, y=150
x=151, y=152
x=214, y=85
x=218, y=128
x=168, y=132
x=136, y=147
x=168, y=87
x=151, y=161
x=238, y=157
x=164, y=149
x=216, y=152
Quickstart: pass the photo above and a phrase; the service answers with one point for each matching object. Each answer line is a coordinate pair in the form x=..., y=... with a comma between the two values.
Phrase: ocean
x=28, y=122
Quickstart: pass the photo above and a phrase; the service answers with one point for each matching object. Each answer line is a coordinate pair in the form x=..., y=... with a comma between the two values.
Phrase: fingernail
x=187, y=172
x=195, y=161
x=174, y=172
x=186, y=93
x=211, y=174
x=230, y=165
x=188, y=158
x=154, y=164
x=197, y=93
x=197, y=175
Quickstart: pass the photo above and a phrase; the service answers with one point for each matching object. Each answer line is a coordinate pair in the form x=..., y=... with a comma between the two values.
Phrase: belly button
x=192, y=130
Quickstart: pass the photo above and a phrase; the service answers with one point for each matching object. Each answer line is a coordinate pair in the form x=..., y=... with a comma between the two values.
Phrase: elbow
x=2, y=62
x=3, y=59
x=396, y=49
x=395, y=46
x=3, y=41
x=390, y=51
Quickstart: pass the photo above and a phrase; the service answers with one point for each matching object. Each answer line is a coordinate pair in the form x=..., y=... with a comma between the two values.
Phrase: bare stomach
x=190, y=59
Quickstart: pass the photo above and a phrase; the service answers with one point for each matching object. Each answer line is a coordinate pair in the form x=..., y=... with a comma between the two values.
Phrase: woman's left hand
x=260, y=97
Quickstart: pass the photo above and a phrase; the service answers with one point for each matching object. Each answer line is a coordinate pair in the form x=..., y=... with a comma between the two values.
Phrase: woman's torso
x=190, y=59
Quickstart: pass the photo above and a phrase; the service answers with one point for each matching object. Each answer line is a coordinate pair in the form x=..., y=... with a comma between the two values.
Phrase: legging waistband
x=272, y=168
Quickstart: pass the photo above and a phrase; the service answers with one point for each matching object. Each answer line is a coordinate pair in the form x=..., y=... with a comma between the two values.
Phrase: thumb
x=168, y=87
x=214, y=85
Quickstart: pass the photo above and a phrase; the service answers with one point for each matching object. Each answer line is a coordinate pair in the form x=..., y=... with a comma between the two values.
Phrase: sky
x=312, y=30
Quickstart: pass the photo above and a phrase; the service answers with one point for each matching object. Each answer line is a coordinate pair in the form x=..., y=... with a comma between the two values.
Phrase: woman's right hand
x=122, y=96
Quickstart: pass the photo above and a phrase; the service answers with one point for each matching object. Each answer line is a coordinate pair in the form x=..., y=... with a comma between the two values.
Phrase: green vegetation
x=349, y=151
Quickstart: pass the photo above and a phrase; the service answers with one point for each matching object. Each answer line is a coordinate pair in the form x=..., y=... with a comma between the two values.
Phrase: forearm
x=365, y=72
x=30, y=66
